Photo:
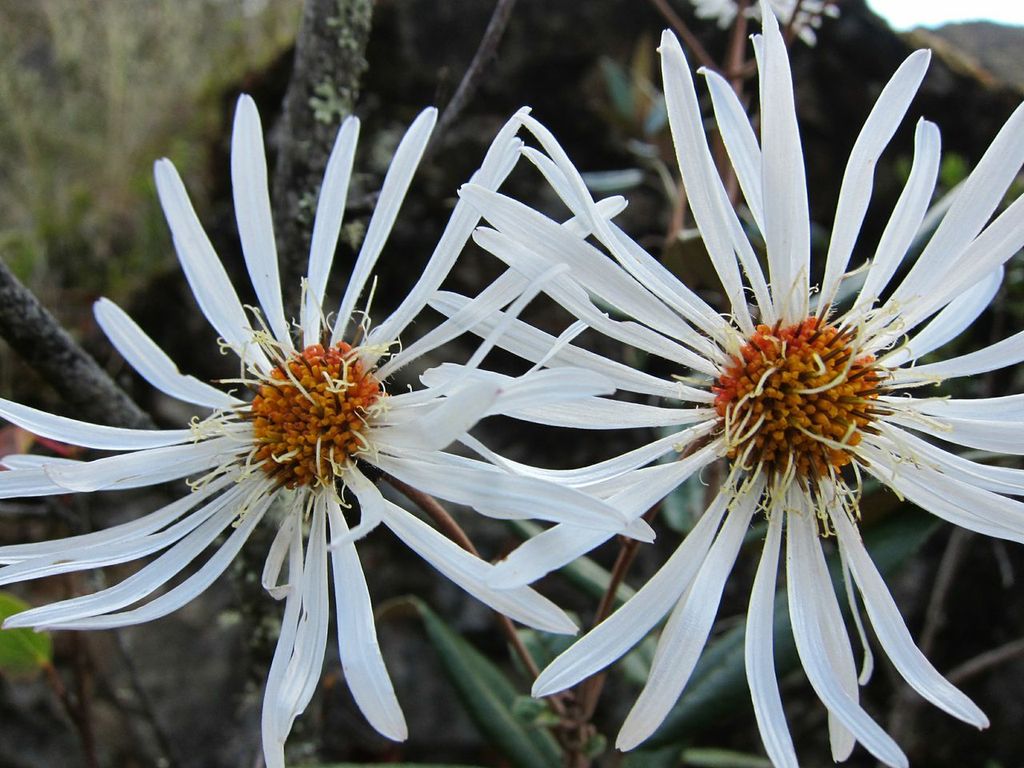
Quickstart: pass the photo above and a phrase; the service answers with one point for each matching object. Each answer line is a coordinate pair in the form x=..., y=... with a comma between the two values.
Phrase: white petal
x=893, y=634
x=392, y=193
x=24, y=483
x=89, y=435
x=129, y=531
x=809, y=626
x=787, y=225
x=562, y=544
x=361, y=659
x=445, y=423
x=855, y=192
x=469, y=572
x=688, y=628
x=533, y=345
x=501, y=158
x=759, y=653
x=183, y=593
x=149, y=467
x=610, y=639
x=251, y=193
x=994, y=357
x=145, y=581
x=999, y=436
x=496, y=493
x=958, y=315
x=905, y=221
x=205, y=273
x=151, y=362
x=330, y=211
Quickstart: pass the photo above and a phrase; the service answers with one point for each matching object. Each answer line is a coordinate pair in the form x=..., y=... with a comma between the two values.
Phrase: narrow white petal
x=957, y=316
x=999, y=436
x=361, y=659
x=392, y=194
x=183, y=593
x=784, y=187
x=89, y=435
x=203, y=270
x=688, y=628
x=496, y=493
x=855, y=192
x=129, y=531
x=330, y=211
x=18, y=483
x=759, y=653
x=151, y=362
x=994, y=357
x=148, y=467
x=610, y=639
x=446, y=422
x=893, y=634
x=273, y=731
x=469, y=572
x=251, y=192
x=740, y=141
x=809, y=628
x=905, y=221
x=145, y=581
x=502, y=156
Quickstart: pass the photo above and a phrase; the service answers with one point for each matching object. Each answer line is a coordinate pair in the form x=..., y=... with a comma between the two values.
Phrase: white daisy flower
x=800, y=396
x=308, y=429
x=808, y=14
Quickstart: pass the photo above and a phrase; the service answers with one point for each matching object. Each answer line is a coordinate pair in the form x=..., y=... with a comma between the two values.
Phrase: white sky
x=905, y=14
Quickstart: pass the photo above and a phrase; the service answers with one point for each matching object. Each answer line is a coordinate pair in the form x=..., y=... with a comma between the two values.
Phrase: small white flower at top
x=809, y=14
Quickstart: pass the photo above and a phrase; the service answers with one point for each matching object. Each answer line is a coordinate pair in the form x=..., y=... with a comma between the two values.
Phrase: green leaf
x=722, y=758
x=22, y=651
x=718, y=691
x=488, y=696
x=652, y=758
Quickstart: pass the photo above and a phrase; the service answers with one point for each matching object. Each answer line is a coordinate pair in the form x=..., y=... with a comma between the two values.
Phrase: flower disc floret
x=310, y=413
x=797, y=398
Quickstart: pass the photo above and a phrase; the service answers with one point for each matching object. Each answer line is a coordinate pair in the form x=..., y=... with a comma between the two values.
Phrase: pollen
x=310, y=413
x=797, y=399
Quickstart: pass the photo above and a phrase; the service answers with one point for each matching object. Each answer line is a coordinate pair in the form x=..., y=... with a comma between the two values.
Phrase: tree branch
x=329, y=62
x=39, y=339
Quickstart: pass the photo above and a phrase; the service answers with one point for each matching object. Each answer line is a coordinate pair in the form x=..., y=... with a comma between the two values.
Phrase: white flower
x=319, y=428
x=800, y=396
x=808, y=17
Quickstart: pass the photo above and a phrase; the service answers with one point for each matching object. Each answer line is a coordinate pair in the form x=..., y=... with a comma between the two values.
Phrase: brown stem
x=681, y=29
x=485, y=52
x=74, y=711
x=453, y=531
x=986, y=661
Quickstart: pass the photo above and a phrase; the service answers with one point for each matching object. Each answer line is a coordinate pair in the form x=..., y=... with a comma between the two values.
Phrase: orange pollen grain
x=795, y=396
x=302, y=434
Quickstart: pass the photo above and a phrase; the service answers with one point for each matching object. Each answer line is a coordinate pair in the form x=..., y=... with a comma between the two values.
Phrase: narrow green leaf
x=488, y=696
x=722, y=758
x=652, y=758
x=718, y=691
x=22, y=651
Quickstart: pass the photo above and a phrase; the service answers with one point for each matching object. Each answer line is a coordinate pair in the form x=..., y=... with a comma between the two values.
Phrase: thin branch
x=681, y=29
x=329, y=63
x=985, y=661
x=471, y=80
x=41, y=342
x=935, y=615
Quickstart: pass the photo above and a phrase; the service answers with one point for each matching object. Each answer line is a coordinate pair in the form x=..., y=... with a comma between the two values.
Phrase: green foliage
x=22, y=651
x=490, y=698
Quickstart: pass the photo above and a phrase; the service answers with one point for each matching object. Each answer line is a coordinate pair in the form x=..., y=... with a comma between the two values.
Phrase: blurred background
x=91, y=93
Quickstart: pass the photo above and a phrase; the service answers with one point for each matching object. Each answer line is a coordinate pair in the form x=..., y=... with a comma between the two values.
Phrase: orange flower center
x=797, y=398
x=308, y=420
